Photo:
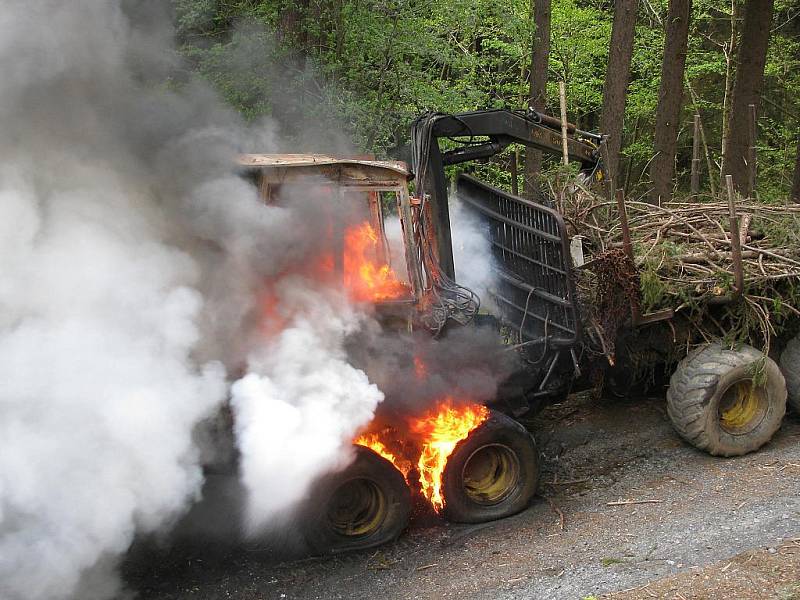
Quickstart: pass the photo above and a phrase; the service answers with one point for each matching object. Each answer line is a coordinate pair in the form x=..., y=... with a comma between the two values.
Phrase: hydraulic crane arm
x=505, y=127
x=502, y=128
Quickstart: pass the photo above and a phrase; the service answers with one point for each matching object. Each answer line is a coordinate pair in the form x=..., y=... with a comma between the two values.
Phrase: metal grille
x=533, y=288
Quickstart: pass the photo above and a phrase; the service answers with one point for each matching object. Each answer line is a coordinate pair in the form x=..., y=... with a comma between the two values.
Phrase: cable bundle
x=445, y=299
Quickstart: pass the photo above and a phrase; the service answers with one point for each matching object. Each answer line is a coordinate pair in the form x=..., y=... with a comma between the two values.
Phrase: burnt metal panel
x=317, y=160
x=533, y=287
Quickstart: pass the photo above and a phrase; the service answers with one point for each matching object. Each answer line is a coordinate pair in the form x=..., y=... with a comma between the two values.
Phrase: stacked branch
x=684, y=256
x=688, y=247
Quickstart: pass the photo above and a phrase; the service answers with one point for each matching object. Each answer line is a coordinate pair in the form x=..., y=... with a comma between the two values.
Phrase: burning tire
x=365, y=505
x=726, y=402
x=491, y=474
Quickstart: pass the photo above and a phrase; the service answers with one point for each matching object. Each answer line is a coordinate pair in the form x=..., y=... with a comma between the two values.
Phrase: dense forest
x=654, y=74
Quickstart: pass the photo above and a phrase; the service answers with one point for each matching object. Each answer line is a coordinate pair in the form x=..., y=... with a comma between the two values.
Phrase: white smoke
x=131, y=258
x=98, y=396
x=302, y=402
x=472, y=253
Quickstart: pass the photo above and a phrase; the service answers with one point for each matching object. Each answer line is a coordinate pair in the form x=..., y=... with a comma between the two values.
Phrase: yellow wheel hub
x=742, y=407
x=358, y=508
x=490, y=474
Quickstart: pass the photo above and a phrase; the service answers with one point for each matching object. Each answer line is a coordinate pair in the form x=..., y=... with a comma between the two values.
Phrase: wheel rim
x=490, y=474
x=358, y=508
x=742, y=407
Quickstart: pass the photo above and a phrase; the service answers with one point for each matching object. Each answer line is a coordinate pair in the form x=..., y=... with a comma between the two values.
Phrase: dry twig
x=626, y=502
x=558, y=512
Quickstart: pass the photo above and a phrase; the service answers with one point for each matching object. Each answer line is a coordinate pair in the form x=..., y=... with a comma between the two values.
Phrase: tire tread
x=694, y=384
x=790, y=366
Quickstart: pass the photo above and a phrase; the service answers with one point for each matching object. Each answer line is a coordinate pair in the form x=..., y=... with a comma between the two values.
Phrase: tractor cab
x=374, y=237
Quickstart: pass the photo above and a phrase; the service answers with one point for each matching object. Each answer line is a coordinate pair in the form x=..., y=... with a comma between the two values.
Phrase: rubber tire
x=697, y=386
x=322, y=538
x=790, y=366
x=497, y=429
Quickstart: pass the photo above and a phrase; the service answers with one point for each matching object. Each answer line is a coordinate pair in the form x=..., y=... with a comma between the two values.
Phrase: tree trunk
x=338, y=20
x=617, y=77
x=730, y=57
x=670, y=99
x=752, y=58
x=292, y=25
x=540, y=56
x=796, y=183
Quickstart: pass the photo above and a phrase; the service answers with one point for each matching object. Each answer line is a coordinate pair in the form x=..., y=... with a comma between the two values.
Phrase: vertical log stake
x=696, y=158
x=736, y=248
x=637, y=318
x=514, y=172
x=562, y=97
x=627, y=244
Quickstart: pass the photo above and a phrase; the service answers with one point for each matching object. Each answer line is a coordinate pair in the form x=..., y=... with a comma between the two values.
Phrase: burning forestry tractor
x=568, y=321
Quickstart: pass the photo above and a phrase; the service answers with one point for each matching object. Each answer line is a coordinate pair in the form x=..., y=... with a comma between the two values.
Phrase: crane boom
x=502, y=127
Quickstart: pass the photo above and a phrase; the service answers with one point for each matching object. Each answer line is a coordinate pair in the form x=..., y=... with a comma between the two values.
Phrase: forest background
x=362, y=70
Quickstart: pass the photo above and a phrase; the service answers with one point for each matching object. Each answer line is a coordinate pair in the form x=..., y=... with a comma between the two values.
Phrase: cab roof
x=354, y=168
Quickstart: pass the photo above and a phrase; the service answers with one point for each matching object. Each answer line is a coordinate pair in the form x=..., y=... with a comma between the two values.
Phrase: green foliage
x=363, y=69
x=581, y=32
x=783, y=233
x=758, y=371
x=654, y=290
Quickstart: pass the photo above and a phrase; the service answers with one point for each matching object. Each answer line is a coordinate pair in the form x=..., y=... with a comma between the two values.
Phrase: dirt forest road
x=626, y=511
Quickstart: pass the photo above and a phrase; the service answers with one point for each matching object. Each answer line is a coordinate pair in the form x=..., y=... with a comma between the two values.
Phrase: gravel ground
x=700, y=514
x=752, y=575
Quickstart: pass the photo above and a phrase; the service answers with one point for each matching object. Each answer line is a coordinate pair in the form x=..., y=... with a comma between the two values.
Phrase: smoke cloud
x=132, y=263
x=144, y=285
x=472, y=252
x=302, y=402
x=99, y=309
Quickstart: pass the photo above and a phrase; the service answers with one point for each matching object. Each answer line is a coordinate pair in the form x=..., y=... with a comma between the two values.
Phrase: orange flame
x=441, y=430
x=373, y=442
x=364, y=276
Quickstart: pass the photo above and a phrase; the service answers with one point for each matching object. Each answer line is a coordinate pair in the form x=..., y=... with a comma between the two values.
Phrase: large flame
x=373, y=442
x=441, y=430
x=431, y=440
x=365, y=276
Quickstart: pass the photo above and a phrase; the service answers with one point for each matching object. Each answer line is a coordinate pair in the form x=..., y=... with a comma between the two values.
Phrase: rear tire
x=790, y=366
x=492, y=473
x=716, y=405
x=366, y=505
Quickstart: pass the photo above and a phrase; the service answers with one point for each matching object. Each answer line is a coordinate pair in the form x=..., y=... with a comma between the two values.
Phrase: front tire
x=726, y=402
x=366, y=505
x=493, y=473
